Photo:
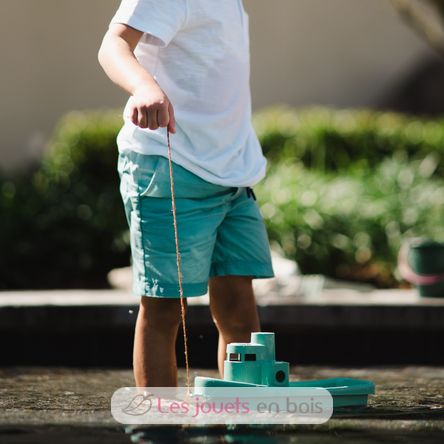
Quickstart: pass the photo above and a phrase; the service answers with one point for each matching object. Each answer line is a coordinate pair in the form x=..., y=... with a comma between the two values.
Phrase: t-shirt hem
x=183, y=162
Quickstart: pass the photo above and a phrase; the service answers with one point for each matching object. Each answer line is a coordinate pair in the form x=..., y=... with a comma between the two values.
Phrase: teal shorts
x=220, y=229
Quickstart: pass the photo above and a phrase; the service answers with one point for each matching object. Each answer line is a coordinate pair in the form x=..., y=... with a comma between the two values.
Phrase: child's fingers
x=152, y=119
x=134, y=116
x=142, y=119
x=163, y=116
x=172, y=119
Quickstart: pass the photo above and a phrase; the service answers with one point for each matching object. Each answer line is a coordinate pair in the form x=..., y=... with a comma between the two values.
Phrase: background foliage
x=343, y=189
x=63, y=225
x=337, y=140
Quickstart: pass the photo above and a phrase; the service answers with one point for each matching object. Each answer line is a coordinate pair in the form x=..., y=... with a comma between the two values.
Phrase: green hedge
x=63, y=225
x=350, y=226
x=334, y=140
x=342, y=190
x=345, y=187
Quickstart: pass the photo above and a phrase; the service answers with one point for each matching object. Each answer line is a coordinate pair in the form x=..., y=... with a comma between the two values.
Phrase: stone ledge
x=335, y=307
x=96, y=328
x=113, y=297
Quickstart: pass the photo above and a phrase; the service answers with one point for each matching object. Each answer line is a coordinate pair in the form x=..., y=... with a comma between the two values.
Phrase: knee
x=162, y=313
x=233, y=306
x=235, y=326
x=238, y=322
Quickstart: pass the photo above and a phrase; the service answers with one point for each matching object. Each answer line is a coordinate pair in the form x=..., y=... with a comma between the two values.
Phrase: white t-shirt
x=198, y=52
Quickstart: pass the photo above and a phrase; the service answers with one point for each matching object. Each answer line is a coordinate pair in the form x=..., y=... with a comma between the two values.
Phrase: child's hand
x=151, y=108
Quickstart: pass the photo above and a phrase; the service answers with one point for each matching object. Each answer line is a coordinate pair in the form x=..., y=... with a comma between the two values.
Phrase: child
x=185, y=64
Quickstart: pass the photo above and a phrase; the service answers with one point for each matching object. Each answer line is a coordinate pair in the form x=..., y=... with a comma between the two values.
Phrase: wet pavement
x=48, y=405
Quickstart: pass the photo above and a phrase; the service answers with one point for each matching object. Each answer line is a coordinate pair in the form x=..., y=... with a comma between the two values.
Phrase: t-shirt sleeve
x=160, y=19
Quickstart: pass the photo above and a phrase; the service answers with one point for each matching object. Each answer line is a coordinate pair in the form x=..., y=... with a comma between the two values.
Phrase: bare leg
x=234, y=311
x=154, y=357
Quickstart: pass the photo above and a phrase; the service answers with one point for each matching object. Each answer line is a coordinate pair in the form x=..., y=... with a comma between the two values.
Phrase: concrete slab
x=66, y=298
x=340, y=307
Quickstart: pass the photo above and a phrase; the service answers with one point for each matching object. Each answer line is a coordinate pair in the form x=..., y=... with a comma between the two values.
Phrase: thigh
x=242, y=244
x=145, y=187
x=154, y=237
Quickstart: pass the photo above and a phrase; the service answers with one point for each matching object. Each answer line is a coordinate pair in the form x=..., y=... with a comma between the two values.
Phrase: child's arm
x=150, y=107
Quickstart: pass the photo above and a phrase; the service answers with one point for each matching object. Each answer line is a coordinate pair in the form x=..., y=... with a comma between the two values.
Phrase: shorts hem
x=258, y=270
x=171, y=291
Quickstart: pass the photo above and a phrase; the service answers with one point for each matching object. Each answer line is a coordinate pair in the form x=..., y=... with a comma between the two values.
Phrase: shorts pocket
x=147, y=181
x=159, y=184
x=145, y=169
x=137, y=173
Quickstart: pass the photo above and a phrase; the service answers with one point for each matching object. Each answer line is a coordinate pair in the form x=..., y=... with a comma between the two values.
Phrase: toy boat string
x=179, y=273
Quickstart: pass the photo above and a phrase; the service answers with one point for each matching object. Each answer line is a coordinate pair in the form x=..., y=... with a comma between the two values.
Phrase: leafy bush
x=328, y=139
x=345, y=186
x=342, y=190
x=64, y=225
x=351, y=226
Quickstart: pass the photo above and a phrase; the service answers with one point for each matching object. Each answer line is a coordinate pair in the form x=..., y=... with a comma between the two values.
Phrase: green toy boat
x=253, y=365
